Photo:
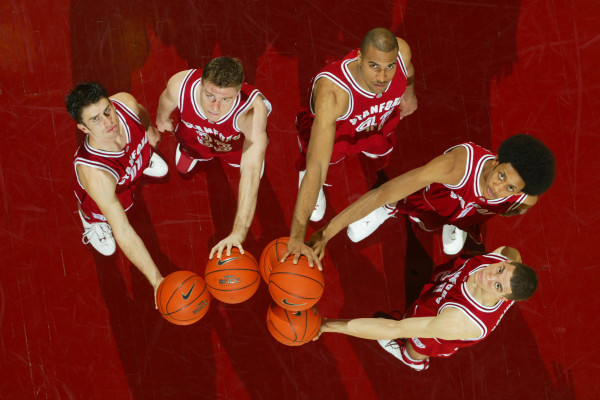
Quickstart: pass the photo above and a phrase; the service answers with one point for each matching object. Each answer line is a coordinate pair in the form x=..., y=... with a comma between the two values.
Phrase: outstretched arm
x=168, y=101
x=330, y=102
x=450, y=324
x=100, y=185
x=253, y=125
x=447, y=168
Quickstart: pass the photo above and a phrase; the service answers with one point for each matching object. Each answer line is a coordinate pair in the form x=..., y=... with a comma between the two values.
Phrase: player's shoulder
x=326, y=89
x=404, y=49
x=126, y=99
x=177, y=80
x=452, y=161
x=95, y=178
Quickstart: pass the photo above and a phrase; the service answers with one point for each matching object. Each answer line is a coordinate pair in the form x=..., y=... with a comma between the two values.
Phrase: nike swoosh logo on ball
x=226, y=261
x=287, y=303
x=187, y=296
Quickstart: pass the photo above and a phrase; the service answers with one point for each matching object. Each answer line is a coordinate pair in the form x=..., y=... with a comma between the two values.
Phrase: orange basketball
x=182, y=298
x=232, y=279
x=271, y=256
x=296, y=287
x=293, y=328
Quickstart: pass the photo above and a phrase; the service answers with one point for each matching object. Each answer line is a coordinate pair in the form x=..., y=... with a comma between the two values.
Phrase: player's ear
x=359, y=56
x=495, y=163
x=83, y=128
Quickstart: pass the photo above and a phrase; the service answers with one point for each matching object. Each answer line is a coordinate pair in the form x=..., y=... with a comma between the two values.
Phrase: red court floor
x=77, y=325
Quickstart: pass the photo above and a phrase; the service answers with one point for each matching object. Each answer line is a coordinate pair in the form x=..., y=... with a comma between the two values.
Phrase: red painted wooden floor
x=75, y=325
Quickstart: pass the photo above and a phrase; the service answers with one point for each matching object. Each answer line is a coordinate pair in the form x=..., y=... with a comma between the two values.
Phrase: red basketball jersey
x=448, y=288
x=203, y=139
x=126, y=165
x=369, y=122
x=462, y=205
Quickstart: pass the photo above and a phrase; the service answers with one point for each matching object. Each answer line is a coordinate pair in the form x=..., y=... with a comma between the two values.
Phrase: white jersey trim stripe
x=468, y=168
x=181, y=96
x=102, y=153
x=402, y=65
x=244, y=108
x=482, y=327
x=93, y=164
x=354, y=84
x=129, y=111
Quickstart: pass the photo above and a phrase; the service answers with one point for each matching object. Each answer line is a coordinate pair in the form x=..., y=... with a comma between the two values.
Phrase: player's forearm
x=305, y=204
x=144, y=117
x=365, y=328
x=247, y=197
x=165, y=107
x=135, y=250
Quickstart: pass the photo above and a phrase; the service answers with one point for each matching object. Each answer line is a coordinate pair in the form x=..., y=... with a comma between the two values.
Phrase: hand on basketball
x=321, y=329
x=408, y=105
x=299, y=248
x=230, y=241
x=156, y=285
x=318, y=242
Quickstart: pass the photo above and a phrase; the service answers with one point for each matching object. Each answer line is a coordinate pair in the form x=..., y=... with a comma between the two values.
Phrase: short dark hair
x=522, y=283
x=83, y=95
x=224, y=72
x=381, y=39
x=533, y=161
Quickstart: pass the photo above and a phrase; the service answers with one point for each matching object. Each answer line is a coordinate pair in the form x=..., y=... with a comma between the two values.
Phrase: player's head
x=377, y=59
x=88, y=104
x=83, y=95
x=507, y=280
x=222, y=80
x=224, y=72
x=531, y=159
x=522, y=283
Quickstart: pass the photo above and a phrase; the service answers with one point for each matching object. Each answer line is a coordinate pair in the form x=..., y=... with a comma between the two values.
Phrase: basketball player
x=115, y=153
x=220, y=116
x=464, y=187
x=355, y=105
x=464, y=301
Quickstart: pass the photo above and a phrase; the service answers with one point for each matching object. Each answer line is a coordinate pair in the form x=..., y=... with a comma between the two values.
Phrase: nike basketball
x=271, y=256
x=296, y=287
x=232, y=279
x=182, y=298
x=293, y=328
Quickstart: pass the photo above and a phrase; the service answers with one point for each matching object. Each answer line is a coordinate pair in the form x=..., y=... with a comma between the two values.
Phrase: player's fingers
x=309, y=257
x=229, y=249
x=239, y=246
x=212, y=252
x=286, y=255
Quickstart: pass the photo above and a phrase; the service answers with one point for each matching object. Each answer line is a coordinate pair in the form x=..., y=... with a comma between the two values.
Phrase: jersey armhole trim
x=342, y=86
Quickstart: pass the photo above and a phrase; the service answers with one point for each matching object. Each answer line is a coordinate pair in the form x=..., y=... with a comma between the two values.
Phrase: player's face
x=495, y=278
x=100, y=120
x=216, y=101
x=502, y=181
x=376, y=69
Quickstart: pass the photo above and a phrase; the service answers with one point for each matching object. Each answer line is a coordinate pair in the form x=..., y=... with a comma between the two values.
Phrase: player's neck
x=116, y=145
x=487, y=169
